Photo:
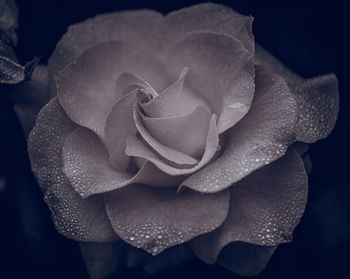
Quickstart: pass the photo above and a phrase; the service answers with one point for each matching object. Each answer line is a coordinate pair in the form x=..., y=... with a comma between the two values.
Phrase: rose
x=176, y=129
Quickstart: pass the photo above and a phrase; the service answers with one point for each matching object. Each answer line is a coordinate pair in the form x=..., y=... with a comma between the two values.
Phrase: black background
x=311, y=38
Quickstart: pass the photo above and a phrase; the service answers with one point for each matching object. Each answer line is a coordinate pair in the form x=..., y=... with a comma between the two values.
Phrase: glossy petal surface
x=158, y=218
x=318, y=105
x=75, y=217
x=86, y=165
x=262, y=136
x=221, y=73
x=264, y=209
x=211, y=17
x=136, y=148
x=87, y=89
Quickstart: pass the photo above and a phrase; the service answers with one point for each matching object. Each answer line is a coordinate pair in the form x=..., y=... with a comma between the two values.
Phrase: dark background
x=310, y=38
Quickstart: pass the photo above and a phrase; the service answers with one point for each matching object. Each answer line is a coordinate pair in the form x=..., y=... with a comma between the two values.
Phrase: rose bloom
x=164, y=130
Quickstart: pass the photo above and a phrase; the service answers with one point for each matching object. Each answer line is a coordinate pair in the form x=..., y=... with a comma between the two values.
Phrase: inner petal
x=164, y=151
x=177, y=99
x=186, y=133
x=136, y=148
x=222, y=73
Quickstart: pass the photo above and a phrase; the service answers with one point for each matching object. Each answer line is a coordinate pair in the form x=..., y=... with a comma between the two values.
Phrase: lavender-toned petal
x=211, y=17
x=261, y=137
x=221, y=72
x=139, y=27
x=318, y=105
x=185, y=134
x=75, y=217
x=85, y=163
x=155, y=219
x=87, y=89
x=265, y=207
x=136, y=148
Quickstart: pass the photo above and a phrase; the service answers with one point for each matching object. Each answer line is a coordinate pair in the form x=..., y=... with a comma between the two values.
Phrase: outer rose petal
x=86, y=165
x=157, y=218
x=245, y=259
x=265, y=207
x=30, y=97
x=318, y=104
x=317, y=98
x=214, y=18
x=261, y=137
x=74, y=217
x=87, y=88
x=221, y=72
x=135, y=27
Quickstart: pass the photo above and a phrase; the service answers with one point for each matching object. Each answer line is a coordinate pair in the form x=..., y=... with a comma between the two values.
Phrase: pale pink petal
x=245, y=259
x=186, y=133
x=214, y=18
x=317, y=98
x=155, y=219
x=318, y=105
x=75, y=217
x=119, y=125
x=136, y=148
x=30, y=96
x=221, y=72
x=87, y=89
x=261, y=137
x=128, y=82
x=86, y=165
x=265, y=207
x=139, y=28
x=164, y=151
x=175, y=100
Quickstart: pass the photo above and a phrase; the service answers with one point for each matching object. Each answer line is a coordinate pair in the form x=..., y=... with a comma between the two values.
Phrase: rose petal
x=214, y=18
x=155, y=219
x=134, y=27
x=317, y=98
x=128, y=82
x=262, y=136
x=86, y=165
x=318, y=105
x=119, y=125
x=87, y=88
x=29, y=97
x=175, y=100
x=186, y=133
x=135, y=148
x=74, y=217
x=265, y=207
x=245, y=259
x=221, y=72
x=167, y=152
